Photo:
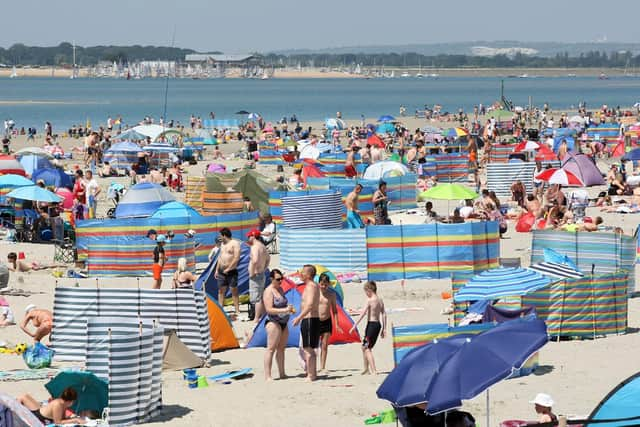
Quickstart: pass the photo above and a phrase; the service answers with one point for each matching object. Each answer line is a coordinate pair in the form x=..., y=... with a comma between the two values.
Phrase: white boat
x=405, y=74
x=14, y=73
x=265, y=76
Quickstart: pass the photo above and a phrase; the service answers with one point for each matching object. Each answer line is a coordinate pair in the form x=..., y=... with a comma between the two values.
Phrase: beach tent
x=14, y=414
x=384, y=169
x=122, y=154
x=37, y=151
x=52, y=177
x=143, y=200
x=33, y=162
x=176, y=355
x=294, y=296
x=622, y=403
x=152, y=131
x=256, y=187
x=9, y=165
x=209, y=283
x=584, y=168
x=175, y=210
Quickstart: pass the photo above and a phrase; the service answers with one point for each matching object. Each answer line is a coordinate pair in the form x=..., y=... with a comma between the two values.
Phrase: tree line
x=62, y=55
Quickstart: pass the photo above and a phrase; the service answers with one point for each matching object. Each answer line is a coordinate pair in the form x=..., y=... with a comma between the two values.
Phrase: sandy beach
x=577, y=373
x=325, y=73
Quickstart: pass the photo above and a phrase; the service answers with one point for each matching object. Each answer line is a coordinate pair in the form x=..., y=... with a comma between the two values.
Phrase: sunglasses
x=277, y=279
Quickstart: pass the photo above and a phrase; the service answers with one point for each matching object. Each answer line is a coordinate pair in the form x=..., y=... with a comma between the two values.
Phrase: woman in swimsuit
x=53, y=412
x=183, y=279
x=278, y=311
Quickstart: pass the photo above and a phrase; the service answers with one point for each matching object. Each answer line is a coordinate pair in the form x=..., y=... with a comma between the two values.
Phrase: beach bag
x=525, y=223
x=38, y=356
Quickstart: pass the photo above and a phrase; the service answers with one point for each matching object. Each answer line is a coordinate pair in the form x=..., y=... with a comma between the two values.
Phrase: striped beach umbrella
x=556, y=270
x=501, y=282
x=560, y=176
x=526, y=146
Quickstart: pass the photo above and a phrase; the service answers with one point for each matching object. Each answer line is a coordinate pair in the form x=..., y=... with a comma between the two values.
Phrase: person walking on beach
x=227, y=268
x=40, y=318
x=92, y=190
x=159, y=259
x=258, y=262
x=376, y=325
x=380, y=201
x=351, y=203
x=309, y=320
x=328, y=311
x=278, y=310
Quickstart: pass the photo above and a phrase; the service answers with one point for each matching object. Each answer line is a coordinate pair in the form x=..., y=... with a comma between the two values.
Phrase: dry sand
x=577, y=374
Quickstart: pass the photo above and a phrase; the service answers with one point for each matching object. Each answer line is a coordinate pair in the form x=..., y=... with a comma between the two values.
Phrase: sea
x=67, y=102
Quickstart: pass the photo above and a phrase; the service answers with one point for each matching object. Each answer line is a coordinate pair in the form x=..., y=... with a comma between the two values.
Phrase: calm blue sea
x=75, y=101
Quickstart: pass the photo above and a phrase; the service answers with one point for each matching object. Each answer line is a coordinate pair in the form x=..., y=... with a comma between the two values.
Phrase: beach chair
x=63, y=247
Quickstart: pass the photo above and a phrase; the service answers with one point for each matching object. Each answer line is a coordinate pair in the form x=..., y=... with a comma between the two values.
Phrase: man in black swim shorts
x=309, y=320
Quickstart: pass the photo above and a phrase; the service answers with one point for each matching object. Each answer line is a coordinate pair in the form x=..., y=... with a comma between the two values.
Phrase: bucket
x=188, y=372
x=202, y=382
x=192, y=381
x=20, y=255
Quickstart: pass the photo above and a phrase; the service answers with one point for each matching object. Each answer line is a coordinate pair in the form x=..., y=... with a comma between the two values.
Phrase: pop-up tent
x=294, y=297
x=621, y=405
x=584, y=168
x=142, y=200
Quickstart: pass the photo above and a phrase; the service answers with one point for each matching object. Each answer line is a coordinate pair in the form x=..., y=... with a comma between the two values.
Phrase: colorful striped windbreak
x=596, y=253
x=221, y=203
x=123, y=243
x=591, y=306
x=431, y=250
x=448, y=167
x=193, y=193
x=500, y=153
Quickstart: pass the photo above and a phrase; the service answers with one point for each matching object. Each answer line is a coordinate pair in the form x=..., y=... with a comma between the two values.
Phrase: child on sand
x=376, y=325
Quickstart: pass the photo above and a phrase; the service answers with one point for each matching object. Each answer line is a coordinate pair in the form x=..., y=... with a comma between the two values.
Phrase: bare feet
x=284, y=376
x=365, y=372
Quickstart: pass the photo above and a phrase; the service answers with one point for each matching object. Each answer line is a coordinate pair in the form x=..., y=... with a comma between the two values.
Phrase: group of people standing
x=380, y=202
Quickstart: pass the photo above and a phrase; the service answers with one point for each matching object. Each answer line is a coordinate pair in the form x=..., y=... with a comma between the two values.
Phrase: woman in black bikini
x=53, y=412
x=182, y=278
x=278, y=311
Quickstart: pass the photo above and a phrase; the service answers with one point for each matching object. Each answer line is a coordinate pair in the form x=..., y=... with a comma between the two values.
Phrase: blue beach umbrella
x=453, y=375
x=52, y=177
x=501, y=282
x=405, y=385
x=93, y=392
x=386, y=118
x=335, y=124
x=34, y=193
x=385, y=127
x=11, y=180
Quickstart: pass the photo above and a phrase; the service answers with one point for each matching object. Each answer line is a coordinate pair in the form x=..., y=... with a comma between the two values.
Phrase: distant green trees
x=62, y=55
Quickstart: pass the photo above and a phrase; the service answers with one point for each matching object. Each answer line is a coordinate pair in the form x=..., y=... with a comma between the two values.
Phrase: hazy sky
x=263, y=25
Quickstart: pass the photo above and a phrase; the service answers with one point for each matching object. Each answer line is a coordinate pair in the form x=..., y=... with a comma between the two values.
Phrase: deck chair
x=63, y=247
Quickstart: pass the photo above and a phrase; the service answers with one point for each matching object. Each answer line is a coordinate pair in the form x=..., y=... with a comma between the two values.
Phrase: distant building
x=221, y=60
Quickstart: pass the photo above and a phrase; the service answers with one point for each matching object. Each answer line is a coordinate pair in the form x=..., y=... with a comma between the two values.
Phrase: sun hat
x=28, y=308
x=161, y=238
x=543, y=399
x=253, y=233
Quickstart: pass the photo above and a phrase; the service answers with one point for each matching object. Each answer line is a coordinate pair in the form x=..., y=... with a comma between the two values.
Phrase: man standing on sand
x=227, y=268
x=351, y=203
x=41, y=319
x=328, y=310
x=258, y=262
x=309, y=320
x=350, y=162
x=92, y=190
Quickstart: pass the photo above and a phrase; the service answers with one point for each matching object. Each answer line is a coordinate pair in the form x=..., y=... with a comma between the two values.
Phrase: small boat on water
x=603, y=76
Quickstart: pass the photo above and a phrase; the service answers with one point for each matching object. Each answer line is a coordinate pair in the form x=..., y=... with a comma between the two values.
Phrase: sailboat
x=14, y=73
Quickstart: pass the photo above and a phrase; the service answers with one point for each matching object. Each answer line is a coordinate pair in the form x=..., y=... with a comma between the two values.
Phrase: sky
x=241, y=26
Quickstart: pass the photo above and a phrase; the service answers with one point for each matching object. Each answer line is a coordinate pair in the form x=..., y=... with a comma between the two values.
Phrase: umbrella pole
x=488, y=410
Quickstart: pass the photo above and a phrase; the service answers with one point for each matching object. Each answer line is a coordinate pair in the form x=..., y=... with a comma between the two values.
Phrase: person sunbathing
x=24, y=266
x=54, y=411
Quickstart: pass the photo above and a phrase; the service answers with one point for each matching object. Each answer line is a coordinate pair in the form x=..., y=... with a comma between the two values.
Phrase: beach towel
x=354, y=220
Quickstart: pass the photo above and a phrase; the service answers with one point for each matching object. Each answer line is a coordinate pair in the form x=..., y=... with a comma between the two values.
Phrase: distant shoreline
x=317, y=73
